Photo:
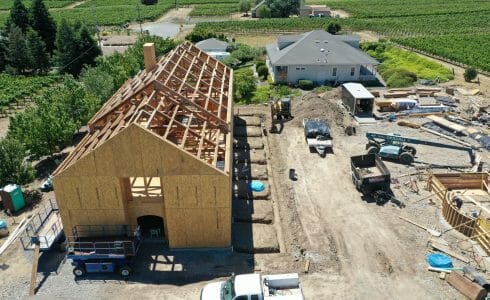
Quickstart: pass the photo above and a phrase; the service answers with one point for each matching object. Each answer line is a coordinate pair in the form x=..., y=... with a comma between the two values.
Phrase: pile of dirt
x=326, y=107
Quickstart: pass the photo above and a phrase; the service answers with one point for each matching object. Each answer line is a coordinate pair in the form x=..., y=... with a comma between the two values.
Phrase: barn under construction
x=158, y=154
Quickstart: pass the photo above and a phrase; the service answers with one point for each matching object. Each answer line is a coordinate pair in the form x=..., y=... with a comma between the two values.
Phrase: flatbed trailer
x=103, y=249
x=317, y=135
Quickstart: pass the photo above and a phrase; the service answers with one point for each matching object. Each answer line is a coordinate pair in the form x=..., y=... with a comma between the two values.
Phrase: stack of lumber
x=456, y=128
x=396, y=95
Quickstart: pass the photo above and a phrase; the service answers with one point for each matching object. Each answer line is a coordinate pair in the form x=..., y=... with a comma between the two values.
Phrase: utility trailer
x=370, y=174
x=103, y=249
x=44, y=228
x=317, y=135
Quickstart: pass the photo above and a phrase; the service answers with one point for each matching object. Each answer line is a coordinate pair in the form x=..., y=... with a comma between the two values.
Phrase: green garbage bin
x=12, y=197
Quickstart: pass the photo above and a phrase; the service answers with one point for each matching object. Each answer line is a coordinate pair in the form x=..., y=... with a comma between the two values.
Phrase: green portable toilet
x=12, y=197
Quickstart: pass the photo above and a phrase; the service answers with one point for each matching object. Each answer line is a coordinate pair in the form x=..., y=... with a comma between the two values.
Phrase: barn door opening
x=151, y=227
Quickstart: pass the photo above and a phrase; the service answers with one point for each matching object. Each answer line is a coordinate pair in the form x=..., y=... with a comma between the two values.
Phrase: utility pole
x=139, y=19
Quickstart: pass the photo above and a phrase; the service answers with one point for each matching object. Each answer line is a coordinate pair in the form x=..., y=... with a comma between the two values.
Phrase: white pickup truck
x=255, y=287
x=317, y=135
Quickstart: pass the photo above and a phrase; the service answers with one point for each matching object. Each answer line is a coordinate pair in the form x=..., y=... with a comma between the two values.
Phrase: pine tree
x=43, y=23
x=67, y=49
x=88, y=46
x=38, y=56
x=19, y=16
x=17, y=56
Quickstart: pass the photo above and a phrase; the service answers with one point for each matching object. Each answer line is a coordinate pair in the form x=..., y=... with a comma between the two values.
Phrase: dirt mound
x=326, y=107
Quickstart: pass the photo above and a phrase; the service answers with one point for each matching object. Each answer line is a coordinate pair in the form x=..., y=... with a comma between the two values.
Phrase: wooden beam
x=193, y=104
x=198, y=92
x=172, y=118
x=184, y=126
x=203, y=133
x=184, y=138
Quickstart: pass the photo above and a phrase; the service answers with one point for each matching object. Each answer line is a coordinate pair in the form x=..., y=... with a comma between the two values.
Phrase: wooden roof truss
x=184, y=99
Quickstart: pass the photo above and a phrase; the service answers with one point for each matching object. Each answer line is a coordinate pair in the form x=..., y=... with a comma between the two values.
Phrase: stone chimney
x=150, y=56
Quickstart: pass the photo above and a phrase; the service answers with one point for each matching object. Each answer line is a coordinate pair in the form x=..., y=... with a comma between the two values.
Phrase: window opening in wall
x=352, y=71
x=334, y=72
x=146, y=187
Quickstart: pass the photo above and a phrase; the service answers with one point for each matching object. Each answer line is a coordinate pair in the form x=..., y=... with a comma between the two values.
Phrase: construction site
x=354, y=194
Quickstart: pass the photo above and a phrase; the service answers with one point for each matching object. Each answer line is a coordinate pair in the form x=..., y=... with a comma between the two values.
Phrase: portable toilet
x=12, y=198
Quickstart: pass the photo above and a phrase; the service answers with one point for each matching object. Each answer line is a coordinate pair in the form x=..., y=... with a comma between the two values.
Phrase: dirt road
x=363, y=250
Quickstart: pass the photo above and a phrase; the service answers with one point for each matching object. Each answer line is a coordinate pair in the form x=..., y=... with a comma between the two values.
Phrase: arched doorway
x=151, y=227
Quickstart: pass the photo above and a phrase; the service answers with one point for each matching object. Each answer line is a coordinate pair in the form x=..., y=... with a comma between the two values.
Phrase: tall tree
x=13, y=167
x=244, y=6
x=43, y=23
x=38, y=56
x=67, y=49
x=19, y=16
x=280, y=8
x=3, y=55
x=88, y=48
x=17, y=55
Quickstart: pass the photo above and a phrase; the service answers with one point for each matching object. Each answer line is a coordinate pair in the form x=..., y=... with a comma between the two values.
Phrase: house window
x=300, y=68
x=352, y=71
x=334, y=72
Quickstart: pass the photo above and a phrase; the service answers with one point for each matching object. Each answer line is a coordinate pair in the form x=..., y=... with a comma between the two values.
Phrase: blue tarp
x=3, y=224
x=439, y=260
x=257, y=186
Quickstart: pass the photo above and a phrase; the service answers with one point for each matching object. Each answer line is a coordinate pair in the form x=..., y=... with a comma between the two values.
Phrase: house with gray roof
x=320, y=57
x=214, y=47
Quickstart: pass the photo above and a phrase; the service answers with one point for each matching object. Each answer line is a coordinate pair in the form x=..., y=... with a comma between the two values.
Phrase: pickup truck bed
x=370, y=174
x=281, y=287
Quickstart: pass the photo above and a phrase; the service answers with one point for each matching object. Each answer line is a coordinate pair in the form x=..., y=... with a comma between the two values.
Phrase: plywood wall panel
x=123, y=157
x=176, y=228
x=104, y=160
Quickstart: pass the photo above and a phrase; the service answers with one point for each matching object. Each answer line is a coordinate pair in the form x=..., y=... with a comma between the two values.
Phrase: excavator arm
x=400, y=139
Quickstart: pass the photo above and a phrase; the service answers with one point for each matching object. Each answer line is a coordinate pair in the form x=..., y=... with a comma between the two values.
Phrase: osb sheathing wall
x=197, y=197
x=442, y=184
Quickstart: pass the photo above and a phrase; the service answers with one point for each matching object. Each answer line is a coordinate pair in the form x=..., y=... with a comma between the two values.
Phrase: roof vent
x=325, y=41
x=322, y=50
x=317, y=41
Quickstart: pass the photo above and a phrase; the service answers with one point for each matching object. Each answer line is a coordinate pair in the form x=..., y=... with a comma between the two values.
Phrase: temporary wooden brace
x=32, y=287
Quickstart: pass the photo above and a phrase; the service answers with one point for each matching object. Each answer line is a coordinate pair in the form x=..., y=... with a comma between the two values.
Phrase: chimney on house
x=150, y=56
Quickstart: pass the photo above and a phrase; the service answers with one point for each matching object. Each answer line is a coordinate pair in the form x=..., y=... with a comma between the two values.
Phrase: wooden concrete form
x=168, y=128
x=442, y=185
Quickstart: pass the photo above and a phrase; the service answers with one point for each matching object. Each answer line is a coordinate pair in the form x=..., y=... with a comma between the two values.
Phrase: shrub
x=322, y=89
x=400, y=78
x=305, y=84
x=263, y=12
x=333, y=28
x=244, y=84
x=244, y=53
x=259, y=63
x=470, y=74
x=263, y=71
